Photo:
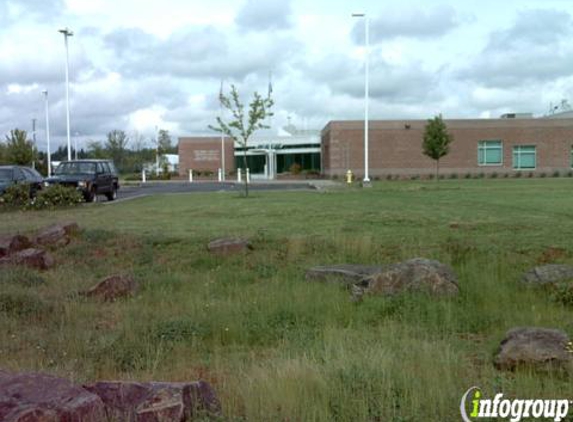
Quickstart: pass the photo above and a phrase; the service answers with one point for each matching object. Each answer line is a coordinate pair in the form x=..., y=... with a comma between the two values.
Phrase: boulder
x=13, y=243
x=229, y=246
x=112, y=288
x=415, y=275
x=31, y=257
x=33, y=397
x=156, y=401
x=347, y=274
x=548, y=274
x=54, y=236
x=539, y=348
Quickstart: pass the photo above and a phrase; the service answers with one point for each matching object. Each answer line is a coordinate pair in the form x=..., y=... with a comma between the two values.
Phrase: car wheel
x=112, y=196
x=92, y=195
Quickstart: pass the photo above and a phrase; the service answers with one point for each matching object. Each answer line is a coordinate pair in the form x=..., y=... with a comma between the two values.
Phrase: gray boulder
x=33, y=397
x=539, y=348
x=548, y=274
x=347, y=274
x=13, y=243
x=229, y=246
x=33, y=258
x=156, y=401
x=415, y=275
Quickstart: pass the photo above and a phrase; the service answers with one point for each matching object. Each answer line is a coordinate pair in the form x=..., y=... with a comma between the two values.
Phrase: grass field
x=275, y=347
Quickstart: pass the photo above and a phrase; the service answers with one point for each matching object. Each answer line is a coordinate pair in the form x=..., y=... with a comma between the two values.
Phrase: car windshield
x=76, y=168
x=5, y=174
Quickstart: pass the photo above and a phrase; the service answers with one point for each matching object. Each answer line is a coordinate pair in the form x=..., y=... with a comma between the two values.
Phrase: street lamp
x=366, y=89
x=67, y=33
x=45, y=92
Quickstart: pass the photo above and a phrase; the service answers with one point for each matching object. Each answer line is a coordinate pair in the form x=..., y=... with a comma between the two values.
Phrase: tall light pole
x=366, y=88
x=222, y=135
x=67, y=33
x=45, y=92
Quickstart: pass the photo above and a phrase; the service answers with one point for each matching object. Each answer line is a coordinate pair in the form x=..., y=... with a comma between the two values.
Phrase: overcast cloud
x=137, y=65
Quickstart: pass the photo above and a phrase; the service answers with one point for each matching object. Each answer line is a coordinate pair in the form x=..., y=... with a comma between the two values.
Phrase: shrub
x=493, y=175
x=542, y=174
x=570, y=173
x=15, y=196
x=467, y=176
x=415, y=177
x=530, y=174
x=55, y=196
x=505, y=175
x=517, y=174
x=388, y=177
x=453, y=175
x=563, y=293
x=295, y=168
x=556, y=173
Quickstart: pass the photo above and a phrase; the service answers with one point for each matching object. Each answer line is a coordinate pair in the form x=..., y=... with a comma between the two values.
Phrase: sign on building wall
x=206, y=155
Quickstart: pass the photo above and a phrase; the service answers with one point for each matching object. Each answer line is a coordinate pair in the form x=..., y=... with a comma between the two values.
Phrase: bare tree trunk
x=437, y=170
x=245, y=164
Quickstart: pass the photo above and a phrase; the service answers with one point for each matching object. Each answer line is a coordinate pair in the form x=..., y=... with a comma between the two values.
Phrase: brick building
x=506, y=145
x=502, y=145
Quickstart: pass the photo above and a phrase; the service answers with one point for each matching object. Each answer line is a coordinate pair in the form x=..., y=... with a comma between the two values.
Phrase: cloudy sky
x=139, y=64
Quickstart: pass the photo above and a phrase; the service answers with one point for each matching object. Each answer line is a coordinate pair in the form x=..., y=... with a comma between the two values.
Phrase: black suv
x=91, y=177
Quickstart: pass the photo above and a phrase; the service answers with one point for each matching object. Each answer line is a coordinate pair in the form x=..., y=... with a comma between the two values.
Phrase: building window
x=524, y=157
x=490, y=153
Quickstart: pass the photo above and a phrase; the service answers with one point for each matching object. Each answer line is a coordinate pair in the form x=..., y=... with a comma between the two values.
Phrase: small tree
x=19, y=149
x=116, y=146
x=437, y=141
x=240, y=128
x=164, y=142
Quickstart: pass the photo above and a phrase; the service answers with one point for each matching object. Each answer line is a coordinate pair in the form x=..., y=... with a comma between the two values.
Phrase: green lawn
x=276, y=347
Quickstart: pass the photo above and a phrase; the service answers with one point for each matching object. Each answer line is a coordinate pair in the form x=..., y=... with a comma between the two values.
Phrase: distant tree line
x=129, y=154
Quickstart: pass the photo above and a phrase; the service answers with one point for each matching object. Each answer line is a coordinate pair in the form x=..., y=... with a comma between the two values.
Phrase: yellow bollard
x=349, y=176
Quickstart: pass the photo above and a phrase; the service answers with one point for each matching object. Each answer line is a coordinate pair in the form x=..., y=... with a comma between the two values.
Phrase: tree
x=437, y=141
x=3, y=158
x=96, y=150
x=19, y=149
x=116, y=146
x=241, y=127
x=164, y=145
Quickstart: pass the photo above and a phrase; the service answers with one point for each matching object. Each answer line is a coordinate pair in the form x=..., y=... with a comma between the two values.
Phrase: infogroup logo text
x=514, y=410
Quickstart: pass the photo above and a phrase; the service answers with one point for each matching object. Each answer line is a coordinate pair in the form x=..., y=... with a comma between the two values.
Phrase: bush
x=388, y=177
x=505, y=175
x=295, y=168
x=556, y=173
x=55, y=196
x=15, y=196
x=467, y=176
x=517, y=174
x=415, y=177
x=453, y=175
x=563, y=293
x=493, y=175
x=542, y=174
x=570, y=173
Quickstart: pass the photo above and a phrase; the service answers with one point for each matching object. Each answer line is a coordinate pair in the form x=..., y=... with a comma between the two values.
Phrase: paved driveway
x=152, y=188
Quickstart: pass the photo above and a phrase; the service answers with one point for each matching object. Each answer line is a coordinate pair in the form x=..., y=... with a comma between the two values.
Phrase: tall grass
x=275, y=346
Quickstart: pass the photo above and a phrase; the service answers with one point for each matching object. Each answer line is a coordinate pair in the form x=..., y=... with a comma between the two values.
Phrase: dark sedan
x=11, y=175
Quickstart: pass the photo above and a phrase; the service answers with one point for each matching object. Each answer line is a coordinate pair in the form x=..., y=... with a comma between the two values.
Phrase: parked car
x=90, y=177
x=12, y=175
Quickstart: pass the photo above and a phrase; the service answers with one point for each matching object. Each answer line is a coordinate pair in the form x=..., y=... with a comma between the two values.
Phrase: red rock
x=112, y=288
x=54, y=235
x=13, y=243
x=33, y=397
x=31, y=257
x=156, y=401
x=229, y=246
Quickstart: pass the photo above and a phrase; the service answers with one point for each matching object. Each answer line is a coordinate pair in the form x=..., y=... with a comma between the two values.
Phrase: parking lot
x=131, y=191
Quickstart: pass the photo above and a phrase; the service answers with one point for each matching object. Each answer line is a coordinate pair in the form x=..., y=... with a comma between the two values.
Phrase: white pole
x=45, y=92
x=220, y=174
x=143, y=178
x=366, y=95
x=239, y=175
x=67, y=33
x=248, y=176
x=190, y=175
x=157, y=151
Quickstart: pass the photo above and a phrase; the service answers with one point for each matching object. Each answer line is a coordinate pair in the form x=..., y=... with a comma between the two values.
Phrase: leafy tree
x=116, y=146
x=19, y=149
x=96, y=150
x=3, y=158
x=164, y=144
x=437, y=141
x=241, y=127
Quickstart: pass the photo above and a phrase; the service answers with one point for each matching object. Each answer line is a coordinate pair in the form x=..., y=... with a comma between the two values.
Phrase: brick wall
x=395, y=147
x=204, y=153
